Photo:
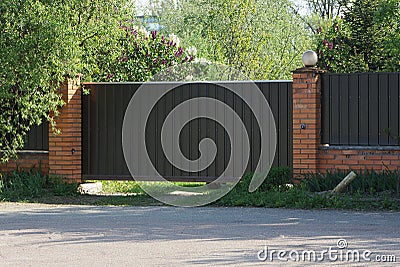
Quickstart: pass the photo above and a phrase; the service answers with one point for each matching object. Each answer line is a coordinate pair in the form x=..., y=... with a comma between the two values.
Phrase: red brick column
x=306, y=120
x=65, y=149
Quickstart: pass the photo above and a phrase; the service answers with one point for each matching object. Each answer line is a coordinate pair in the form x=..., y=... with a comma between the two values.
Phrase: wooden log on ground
x=344, y=183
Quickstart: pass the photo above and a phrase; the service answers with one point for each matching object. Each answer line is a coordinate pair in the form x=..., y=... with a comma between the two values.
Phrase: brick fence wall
x=309, y=155
x=64, y=157
x=359, y=158
x=28, y=160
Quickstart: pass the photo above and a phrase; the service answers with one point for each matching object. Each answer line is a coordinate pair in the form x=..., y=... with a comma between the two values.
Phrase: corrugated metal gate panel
x=103, y=114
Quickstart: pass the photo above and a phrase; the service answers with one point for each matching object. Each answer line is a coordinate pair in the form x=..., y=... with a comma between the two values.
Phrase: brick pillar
x=306, y=120
x=65, y=149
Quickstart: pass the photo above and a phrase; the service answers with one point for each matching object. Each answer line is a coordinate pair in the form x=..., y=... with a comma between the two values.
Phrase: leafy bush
x=31, y=184
x=278, y=177
x=41, y=43
x=133, y=54
x=57, y=187
x=20, y=185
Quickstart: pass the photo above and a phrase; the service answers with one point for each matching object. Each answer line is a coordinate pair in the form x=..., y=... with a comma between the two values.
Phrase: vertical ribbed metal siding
x=38, y=138
x=104, y=108
x=357, y=108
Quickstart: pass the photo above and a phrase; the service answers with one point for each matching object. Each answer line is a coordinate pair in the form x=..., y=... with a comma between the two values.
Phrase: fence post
x=65, y=149
x=306, y=120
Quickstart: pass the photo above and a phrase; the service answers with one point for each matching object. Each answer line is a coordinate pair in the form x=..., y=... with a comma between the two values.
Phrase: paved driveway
x=49, y=235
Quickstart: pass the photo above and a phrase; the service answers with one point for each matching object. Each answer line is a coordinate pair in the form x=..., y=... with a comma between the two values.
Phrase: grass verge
x=370, y=191
x=299, y=198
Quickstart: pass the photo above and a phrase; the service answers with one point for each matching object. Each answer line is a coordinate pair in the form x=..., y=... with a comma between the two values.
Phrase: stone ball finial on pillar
x=309, y=58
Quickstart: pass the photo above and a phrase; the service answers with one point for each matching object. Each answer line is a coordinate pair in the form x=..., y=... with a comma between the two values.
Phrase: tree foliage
x=325, y=9
x=41, y=42
x=263, y=39
x=318, y=13
x=44, y=41
x=367, y=38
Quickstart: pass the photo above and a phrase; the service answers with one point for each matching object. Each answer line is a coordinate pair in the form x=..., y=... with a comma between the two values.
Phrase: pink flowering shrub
x=335, y=51
x=136, y=55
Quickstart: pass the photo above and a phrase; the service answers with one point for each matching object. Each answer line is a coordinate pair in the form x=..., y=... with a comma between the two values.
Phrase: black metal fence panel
x=38, y=138
x=103, y=114
x=361, y=109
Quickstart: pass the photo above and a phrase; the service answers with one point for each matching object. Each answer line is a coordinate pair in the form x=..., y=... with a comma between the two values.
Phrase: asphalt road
x=50, y=235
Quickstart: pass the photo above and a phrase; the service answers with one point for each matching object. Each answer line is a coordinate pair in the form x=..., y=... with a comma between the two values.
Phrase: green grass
x=134, y=187
x=121, y=187
x=301, y=199
x=366, y=182
x=369, y=191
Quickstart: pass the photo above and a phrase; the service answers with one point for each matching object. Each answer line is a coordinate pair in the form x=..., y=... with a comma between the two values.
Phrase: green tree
x=317, y=13
x=41, y=42
x=367, y=38
x=326, y=9
x=263, y=39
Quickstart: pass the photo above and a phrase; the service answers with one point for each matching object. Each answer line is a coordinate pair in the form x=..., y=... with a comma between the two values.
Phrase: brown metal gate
x=103, y=113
